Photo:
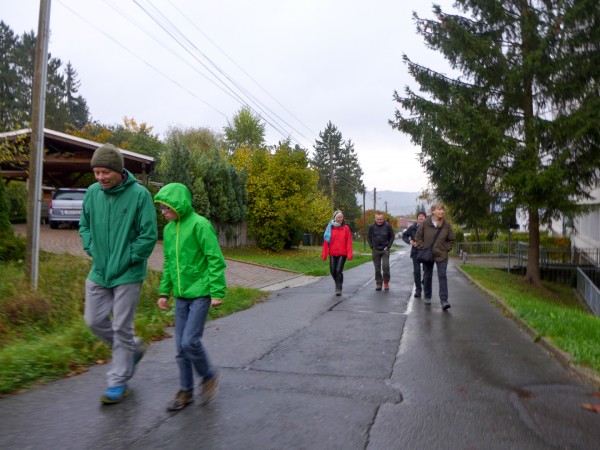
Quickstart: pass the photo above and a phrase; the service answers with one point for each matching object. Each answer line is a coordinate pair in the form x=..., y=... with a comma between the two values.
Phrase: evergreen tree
x=340, y=174
x=11, y=112
x=178, y=166
x=218, y=193
x=520, y=125
x=77, y=110
x=57, y=117
x=17, y=66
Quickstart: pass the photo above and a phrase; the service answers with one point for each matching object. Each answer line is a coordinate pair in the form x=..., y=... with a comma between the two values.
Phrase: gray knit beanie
x=108, y=156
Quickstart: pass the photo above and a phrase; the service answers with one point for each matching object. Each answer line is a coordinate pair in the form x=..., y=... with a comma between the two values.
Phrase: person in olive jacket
x=443, y=244
x=118, y=230
x=194, y=273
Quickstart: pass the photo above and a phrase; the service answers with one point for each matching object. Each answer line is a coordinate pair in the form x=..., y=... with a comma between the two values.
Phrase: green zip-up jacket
x=194, y=265
x=118, y=230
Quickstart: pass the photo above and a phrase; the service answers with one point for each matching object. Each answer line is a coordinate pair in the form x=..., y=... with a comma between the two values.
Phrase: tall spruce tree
x=179, y=166
x=78, y=113
x=521, y=121
x=10, y=86
x=340, y=174
x=17, y=57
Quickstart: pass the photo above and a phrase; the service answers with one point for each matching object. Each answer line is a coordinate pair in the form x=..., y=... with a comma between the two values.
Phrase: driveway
x=67, y=240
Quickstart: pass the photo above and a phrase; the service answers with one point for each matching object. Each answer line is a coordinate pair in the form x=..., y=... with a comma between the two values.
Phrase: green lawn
x=305, y=260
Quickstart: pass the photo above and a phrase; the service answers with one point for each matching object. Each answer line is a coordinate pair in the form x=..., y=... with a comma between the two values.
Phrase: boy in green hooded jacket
x=194, y=273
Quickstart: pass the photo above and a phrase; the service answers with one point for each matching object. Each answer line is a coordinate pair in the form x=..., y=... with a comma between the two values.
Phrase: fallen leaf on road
x=591, y=407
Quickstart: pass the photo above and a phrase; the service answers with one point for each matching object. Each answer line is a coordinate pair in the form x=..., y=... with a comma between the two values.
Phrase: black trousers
x=336, y=267
x=417, y=274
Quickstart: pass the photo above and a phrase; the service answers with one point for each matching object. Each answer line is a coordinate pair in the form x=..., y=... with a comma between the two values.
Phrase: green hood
x=177, y=197
x=193, y=263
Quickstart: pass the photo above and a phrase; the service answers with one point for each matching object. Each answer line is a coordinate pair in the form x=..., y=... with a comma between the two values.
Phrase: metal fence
x=551, y=256
x=487, y=249
x=518, y=252
x=588, y=289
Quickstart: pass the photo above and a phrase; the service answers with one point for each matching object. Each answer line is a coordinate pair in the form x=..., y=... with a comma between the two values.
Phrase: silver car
x=65, y=206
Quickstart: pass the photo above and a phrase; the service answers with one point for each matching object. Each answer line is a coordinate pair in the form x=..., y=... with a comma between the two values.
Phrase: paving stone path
x=67, y=240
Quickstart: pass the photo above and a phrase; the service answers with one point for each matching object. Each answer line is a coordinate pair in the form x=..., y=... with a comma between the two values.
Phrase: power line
x=143, y=60
x=242, y=70
x=167, y=26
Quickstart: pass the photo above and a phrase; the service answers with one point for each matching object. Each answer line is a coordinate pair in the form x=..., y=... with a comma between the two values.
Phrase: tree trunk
x=533, y=254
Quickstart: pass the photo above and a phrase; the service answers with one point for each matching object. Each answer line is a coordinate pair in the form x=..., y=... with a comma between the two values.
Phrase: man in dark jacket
x=381, y=238
x=408, y=236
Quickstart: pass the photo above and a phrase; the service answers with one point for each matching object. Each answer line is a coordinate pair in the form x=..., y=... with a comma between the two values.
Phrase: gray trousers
x=381, y=261
x=117, y=330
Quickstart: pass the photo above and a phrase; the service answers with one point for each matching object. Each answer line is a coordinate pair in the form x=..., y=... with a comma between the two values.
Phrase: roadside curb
x=262, y=265
x=588, y=376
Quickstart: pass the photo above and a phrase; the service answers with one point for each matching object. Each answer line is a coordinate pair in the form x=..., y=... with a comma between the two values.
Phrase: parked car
x=65, y=206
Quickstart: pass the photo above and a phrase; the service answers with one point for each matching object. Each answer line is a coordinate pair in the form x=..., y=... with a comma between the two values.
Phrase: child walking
x=194, y=273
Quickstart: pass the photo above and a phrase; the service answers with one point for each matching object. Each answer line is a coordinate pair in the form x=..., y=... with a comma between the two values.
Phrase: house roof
x=66, y=157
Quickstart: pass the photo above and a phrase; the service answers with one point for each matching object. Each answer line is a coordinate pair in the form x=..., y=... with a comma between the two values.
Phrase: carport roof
x=64, y=155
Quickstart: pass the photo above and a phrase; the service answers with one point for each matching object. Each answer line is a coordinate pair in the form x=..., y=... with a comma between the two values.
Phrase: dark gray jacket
x=380, y=236
x=410, y=234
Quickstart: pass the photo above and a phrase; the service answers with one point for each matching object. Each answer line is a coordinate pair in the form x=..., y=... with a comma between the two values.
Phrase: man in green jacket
x=194, y=273
x=118, y=230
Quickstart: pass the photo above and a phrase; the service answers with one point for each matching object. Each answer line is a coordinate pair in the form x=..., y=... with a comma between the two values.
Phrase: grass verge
x=554, y=312
x=305, y=260
x=43, y=336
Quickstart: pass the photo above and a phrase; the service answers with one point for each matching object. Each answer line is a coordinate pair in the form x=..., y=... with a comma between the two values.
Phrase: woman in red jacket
x=338, y=245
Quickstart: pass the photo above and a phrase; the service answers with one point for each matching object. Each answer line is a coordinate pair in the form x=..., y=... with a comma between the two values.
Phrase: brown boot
x=181, y=400
x=209, y=388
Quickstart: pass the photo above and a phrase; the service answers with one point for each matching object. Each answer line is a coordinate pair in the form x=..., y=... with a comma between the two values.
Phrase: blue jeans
x=190, y=317
x=442, y=280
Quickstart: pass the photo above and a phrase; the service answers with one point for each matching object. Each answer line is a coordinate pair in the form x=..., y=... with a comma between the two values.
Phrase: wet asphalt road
x=308, y=370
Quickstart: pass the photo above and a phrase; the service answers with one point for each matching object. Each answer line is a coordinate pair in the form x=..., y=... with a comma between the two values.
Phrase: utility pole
x=36, y=160
x=331, y=174
x=364, y=193
x=375, y=200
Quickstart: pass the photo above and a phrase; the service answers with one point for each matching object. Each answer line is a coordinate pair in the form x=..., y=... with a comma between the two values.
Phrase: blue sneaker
x=114, y=394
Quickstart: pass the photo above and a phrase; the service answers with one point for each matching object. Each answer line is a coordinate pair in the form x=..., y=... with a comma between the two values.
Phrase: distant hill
x=398, y=203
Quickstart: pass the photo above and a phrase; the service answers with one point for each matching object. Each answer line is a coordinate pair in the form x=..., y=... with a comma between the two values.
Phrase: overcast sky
x=298, y=63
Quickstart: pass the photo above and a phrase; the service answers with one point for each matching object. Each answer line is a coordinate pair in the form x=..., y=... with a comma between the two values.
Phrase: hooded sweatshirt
x=118, y=230
x=194, y=265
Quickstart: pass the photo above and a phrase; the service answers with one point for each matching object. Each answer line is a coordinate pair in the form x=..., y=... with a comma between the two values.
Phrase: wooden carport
x=66, y=158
